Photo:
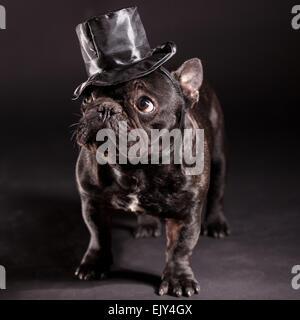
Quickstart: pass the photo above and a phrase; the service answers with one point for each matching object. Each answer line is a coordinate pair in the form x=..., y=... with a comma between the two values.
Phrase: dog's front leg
x=178, y=277
x=98, y=258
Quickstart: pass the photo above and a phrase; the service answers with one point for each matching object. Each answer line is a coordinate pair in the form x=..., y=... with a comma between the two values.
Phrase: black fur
x=153, y=192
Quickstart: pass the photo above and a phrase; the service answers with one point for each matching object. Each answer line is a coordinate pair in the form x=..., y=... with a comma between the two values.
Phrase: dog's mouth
x=90, y=126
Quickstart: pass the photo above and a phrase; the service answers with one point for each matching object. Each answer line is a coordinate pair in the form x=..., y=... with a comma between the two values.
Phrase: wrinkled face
x=151, y=102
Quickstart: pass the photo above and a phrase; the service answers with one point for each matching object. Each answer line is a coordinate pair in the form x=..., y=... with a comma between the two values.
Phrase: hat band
x=179, y=90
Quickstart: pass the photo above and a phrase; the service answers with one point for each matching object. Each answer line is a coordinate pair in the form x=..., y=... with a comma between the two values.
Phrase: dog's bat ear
x=190, y=77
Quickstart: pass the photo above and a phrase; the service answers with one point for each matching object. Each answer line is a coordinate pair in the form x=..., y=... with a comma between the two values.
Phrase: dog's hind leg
x=148, y=226
x=215, y=224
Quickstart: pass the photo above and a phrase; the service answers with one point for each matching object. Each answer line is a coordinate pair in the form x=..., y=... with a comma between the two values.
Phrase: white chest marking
x=134, y=204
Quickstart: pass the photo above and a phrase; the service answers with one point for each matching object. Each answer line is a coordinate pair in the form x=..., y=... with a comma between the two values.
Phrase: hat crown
x=115, y=49
x=113, y=40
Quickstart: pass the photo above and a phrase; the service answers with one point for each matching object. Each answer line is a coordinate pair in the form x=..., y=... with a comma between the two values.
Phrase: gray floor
x=43, y=237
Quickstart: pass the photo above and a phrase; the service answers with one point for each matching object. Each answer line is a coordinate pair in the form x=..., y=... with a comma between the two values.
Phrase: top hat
x=115, y=49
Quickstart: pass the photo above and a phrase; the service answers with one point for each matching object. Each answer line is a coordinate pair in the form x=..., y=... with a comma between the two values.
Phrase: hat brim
x=159, y=56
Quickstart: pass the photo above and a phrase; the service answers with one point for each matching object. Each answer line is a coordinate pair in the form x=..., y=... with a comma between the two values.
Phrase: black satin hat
x=115, y=49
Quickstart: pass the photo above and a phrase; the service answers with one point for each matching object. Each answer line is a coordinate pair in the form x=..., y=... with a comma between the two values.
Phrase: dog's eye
x=88, y=99
x=144, y=104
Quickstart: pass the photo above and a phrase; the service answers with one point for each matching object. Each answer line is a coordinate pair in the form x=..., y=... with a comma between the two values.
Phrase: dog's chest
x=156, y=194
x=127, y=202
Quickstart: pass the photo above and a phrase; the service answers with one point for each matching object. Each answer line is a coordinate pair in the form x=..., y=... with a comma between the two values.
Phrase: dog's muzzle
x=108, y=109
x=102, y=114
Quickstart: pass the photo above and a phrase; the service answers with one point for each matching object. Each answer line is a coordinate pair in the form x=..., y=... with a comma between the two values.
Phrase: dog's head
x=151, y=102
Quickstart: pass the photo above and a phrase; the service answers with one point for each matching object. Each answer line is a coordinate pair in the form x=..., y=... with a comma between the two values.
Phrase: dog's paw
x=94, y=266
x=216, y=228
x=146, y=231
x=179, y=285
x=91, y=272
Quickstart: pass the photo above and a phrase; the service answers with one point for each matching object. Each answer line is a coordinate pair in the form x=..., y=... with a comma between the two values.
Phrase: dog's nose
x=107, y=110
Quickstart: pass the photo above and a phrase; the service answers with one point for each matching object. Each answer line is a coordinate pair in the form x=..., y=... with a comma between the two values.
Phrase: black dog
x=154, y=192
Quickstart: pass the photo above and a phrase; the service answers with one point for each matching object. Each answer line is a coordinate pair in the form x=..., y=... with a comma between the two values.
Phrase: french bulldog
x=155, y=193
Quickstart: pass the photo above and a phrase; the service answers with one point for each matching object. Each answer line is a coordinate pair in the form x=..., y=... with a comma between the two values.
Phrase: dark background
x=250, y=54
